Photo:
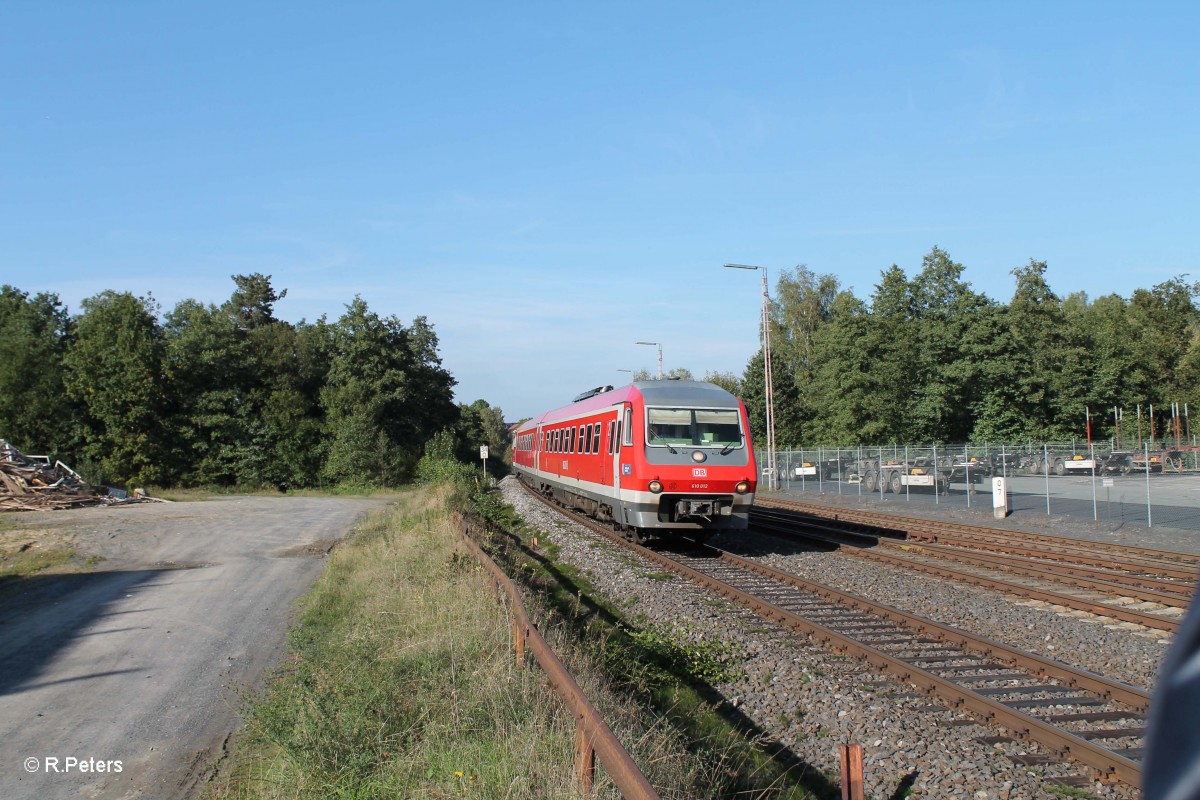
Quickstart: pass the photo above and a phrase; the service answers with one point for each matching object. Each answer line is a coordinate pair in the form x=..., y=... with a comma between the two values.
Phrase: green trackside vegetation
x=651, y=678
x=401, y=682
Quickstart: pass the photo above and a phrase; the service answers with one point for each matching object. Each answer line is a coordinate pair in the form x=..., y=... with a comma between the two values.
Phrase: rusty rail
x=1108, y=764
x=592, y=735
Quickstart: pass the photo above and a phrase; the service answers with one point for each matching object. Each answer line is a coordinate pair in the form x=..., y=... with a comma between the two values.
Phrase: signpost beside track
x=999, y=498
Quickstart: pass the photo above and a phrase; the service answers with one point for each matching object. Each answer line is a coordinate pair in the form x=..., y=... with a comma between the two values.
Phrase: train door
x=539, y=461
x=621, y=452
x=608, y=434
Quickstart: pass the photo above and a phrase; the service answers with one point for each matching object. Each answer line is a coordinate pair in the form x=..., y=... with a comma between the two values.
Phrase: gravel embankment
x=810, y=700
x=1126, y=651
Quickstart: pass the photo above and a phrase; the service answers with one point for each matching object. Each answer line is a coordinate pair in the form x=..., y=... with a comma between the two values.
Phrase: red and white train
x=653, y=457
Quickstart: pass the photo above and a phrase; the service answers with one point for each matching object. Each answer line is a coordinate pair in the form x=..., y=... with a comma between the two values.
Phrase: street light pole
x=768, y=384
x=659, y=345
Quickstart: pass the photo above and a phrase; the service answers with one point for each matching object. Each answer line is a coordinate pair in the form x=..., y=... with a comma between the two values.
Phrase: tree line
x=929, y=359
x=209, y=395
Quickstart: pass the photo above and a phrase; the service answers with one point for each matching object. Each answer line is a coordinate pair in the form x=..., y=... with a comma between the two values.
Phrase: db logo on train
x=699, y=472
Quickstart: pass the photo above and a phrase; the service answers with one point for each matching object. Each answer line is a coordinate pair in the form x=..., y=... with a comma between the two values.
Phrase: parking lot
x=1109, y=501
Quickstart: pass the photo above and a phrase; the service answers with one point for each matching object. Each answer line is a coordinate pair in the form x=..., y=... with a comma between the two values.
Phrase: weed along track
x=1021, y=718
x=592, y=735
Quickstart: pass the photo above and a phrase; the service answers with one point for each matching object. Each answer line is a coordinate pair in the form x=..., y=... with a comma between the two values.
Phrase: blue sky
x=551, y=182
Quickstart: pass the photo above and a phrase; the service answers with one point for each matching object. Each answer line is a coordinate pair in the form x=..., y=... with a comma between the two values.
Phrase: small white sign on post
x=483, y=457
x=999, y=498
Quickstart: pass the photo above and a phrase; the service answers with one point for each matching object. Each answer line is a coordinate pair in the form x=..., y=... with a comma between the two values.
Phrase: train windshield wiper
x=728, y=448
x=653, y=436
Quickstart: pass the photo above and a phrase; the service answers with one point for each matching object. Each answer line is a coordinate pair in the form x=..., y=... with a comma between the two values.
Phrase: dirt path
x=140, y=660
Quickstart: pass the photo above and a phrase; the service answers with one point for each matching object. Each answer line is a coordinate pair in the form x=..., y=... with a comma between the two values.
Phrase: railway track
x=1125, y=584
x=1076, y=715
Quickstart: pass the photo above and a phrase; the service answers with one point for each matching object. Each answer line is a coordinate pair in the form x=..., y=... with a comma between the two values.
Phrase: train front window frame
x=694, y=427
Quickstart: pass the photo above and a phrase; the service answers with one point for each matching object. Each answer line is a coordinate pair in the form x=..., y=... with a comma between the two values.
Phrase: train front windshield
x=693, y=427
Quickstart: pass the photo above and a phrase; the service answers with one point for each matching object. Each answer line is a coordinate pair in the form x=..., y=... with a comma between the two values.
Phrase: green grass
x=401, y=682
x=18, y=564
x=657, y=684
x=659, y=576
x=24, y=563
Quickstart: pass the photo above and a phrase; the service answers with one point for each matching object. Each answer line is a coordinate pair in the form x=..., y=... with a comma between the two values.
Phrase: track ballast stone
x=810, y=700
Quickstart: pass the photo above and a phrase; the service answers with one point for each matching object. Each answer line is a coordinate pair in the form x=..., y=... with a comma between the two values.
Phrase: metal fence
x=1152, y=484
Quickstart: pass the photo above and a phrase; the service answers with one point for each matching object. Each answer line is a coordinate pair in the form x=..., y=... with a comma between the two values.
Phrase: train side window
x=627, y=435
x=611, y=437
x=581, y=441
x=596, y=437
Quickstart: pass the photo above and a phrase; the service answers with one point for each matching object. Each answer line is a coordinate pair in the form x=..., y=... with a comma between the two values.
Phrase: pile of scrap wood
x=32, y=483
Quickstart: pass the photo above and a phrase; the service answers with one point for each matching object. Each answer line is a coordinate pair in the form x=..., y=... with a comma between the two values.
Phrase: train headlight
x=698, y=456
x=742, y=487
x=656, y=486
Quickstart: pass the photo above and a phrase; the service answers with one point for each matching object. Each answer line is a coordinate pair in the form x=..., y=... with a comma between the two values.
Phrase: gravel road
x=142, y=660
